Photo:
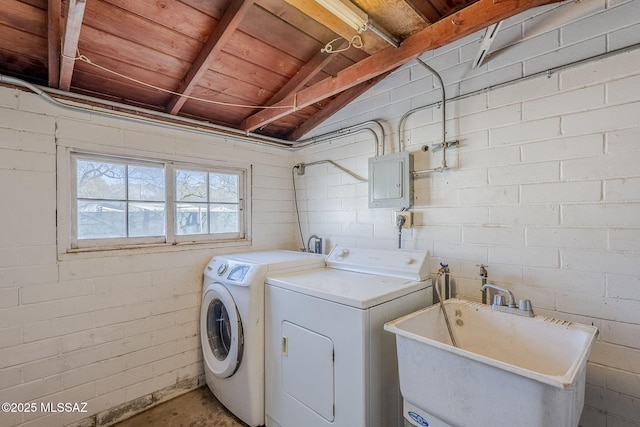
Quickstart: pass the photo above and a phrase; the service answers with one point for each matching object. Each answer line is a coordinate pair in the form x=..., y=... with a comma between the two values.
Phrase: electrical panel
x=390, y=183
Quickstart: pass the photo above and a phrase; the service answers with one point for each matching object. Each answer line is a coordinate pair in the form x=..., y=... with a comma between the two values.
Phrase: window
x=121, y=202
x=206, y=202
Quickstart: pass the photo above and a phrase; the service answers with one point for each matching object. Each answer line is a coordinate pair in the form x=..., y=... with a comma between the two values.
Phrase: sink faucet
x=524, y=307
x=444, y=271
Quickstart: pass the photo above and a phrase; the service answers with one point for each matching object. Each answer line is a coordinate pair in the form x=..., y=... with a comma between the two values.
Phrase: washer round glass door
x=220, y=331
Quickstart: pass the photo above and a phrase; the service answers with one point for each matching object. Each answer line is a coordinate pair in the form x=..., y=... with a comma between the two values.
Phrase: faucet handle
x=525, y=305
x=498, y=299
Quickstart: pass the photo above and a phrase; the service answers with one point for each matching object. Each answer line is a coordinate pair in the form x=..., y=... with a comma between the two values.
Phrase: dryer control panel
x=406, y=264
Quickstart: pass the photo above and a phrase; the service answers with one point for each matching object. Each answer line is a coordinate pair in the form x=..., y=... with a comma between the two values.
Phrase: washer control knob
x=223, y=267
x=409, y=261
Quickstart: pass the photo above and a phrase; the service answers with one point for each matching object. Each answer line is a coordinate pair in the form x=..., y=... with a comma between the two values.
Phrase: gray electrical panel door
x=390, y=184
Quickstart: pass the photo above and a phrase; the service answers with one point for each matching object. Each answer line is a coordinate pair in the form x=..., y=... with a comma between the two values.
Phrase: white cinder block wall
x=544, y=188
x=118, y=330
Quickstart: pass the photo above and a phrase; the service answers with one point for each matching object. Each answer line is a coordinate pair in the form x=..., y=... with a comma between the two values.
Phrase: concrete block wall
x=544, y=187
x=118, y=330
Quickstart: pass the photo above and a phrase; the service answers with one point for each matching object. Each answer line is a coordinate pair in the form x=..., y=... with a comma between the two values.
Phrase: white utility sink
x=507, y=370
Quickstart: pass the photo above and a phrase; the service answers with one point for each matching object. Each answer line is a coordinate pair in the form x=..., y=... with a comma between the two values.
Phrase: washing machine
x=328, y=360
x=232, y=325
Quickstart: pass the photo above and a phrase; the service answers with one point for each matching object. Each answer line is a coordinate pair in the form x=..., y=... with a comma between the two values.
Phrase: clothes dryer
x=329, y=362
x=232, y=326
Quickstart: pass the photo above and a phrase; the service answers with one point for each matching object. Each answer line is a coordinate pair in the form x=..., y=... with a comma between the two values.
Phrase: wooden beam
x=461, y=24
x=332, y=107
x=54, y=36
x=232, y=17
x=73, y=24
x=306, y=73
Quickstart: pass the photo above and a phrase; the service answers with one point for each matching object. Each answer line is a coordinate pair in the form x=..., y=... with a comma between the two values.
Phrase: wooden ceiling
x=252, y=65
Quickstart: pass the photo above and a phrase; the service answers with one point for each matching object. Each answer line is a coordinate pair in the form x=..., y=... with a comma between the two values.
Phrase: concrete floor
x=197, y=408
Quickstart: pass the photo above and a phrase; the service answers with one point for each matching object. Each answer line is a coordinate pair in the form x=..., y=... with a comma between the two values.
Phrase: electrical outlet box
x=408, y=218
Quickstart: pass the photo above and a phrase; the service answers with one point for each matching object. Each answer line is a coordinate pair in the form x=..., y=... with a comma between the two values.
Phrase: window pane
x=146, y=219
x=191, y=186
x=224, y=218
x=223, y=187
x=100, y=180
x=101, y=219
x=146, y=183
x=192, y=218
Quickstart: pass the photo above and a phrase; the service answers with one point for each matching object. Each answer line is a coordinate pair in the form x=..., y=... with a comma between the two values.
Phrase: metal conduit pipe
x=508, y=83
x=302, y=166
x=443, y=102
x=210, y=128
x=351, y=130
x=185, y=123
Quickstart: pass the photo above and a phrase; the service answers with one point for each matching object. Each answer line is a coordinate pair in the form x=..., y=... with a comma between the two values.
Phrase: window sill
x=113, y=251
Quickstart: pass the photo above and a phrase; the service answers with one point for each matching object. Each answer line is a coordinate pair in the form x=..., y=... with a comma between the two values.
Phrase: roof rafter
x=463, y=23
x=332, y=107
x=54, y=15
x=304, y=74
x=232, y=17
x=72, y=27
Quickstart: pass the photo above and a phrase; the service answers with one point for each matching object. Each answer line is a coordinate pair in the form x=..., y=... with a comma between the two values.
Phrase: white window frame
x=194, y=238
x=67, y=200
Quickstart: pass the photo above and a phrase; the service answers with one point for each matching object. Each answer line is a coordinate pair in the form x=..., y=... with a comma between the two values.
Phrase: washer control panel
x=235, y=272
x=238, y=273
x=222, y=269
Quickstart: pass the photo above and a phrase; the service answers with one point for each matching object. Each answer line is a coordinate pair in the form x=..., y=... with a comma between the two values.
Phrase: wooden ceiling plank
x=175, y=15
x=279, y=34
x=425, y=9
x=73, y=25
x=332, y=107
x=245, y=93
x=461, y=24
x=370, y=41
x=54, y=35
x=24, y=17
x=398, y=18
x=112, y=88
x=221, y=34
x=441, y=6
x=123, y=50
x=231, y=65
x=262, y=54
x=150, y=35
